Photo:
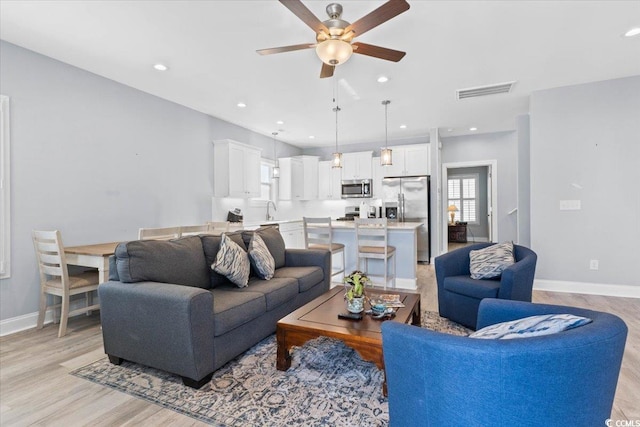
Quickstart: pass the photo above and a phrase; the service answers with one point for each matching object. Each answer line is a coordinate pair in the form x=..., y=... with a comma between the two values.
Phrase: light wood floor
x=36, y=388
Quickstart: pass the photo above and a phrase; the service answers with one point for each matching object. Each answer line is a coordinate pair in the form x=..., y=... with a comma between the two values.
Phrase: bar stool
x=371, y=239
x=318, y=234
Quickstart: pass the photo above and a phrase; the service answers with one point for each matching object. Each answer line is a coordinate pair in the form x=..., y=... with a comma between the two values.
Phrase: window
x=5, y=242
x=266, y=187
x=463, y=194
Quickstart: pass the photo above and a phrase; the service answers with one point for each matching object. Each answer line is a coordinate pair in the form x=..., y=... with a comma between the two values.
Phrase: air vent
x=472, y=92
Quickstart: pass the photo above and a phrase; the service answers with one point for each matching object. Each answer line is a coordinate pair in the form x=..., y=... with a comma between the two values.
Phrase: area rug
x=328, y=384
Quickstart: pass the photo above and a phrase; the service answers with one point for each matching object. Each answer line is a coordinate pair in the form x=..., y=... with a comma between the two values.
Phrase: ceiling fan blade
x=382, y=14
x=301, y=11
x=378, y=52
x=281, y=49
x=327, y=70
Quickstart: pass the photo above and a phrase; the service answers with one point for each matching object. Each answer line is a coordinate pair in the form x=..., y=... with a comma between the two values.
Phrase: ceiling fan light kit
x=334, y=36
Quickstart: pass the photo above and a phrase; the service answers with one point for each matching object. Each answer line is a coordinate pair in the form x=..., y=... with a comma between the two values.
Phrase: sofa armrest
x=516, y=282
x=169, y=327
x=310, y=257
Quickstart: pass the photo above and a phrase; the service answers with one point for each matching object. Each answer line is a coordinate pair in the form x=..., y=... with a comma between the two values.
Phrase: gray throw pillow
x=211, y=244
x=261, y=258
x=274, y=241
x=232, y=262
x=489, y=262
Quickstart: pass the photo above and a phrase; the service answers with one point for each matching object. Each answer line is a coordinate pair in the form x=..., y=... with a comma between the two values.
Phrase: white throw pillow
x=489, y=262
x=533, y=326
x=232, y=262
x=261, y=258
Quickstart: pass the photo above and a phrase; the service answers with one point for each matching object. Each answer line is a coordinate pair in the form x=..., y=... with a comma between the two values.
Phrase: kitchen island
x=401, y=235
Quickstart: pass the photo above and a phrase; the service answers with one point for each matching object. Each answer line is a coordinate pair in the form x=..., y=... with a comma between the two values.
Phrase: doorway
x=470, y=196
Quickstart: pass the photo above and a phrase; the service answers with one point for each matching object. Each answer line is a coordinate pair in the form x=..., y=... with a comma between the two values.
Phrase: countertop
x=393, y=225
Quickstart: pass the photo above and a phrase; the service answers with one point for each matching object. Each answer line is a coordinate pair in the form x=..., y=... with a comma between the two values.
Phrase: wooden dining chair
x=165, y=233
x=192, y=230
x=318, y=234
x=218, y=227
x=371, y=239
x=55, y=279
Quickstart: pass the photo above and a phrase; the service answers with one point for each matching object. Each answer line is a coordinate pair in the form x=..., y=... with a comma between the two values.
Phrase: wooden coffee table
x=319, y=318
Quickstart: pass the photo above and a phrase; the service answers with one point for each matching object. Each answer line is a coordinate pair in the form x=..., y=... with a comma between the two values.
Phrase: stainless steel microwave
x=356, y=188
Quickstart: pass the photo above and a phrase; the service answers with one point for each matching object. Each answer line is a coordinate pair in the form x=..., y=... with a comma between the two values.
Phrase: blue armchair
x=565, y=379
x=459, y=295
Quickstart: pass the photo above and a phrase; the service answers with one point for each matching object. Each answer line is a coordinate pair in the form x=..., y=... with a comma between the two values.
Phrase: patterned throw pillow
x=533, y=326
x=261, y=258
x=491, y=261
x=232, y=262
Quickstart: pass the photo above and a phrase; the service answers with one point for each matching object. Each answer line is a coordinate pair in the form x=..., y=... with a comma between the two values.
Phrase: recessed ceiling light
x=241, y=104
x=280, y=122
x=403, y=126
x=311, y=137
x=473, y=129
x=632, y=32
x=450, y=130
x=160, y=67
x=383, y=79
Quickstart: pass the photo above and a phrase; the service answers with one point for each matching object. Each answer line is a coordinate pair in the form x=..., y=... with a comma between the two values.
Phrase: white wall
x=98, y=160
x=585, y=145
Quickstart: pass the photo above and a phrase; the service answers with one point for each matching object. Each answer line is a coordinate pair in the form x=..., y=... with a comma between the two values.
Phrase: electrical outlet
x=593, y=264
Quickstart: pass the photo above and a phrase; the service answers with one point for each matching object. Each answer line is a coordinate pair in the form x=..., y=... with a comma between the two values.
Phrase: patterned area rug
x=328, y=384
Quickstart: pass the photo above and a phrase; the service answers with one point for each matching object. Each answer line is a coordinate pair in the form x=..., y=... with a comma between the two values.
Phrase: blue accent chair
x=459, y=295
x=565, y=379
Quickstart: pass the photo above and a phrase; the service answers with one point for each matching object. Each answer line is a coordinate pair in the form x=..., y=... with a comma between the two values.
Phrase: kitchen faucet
x=269, y=217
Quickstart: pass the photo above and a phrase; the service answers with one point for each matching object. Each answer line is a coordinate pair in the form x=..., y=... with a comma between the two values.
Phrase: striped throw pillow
x=489, y=262
x=260, y=257
x=533, y=326
x=232, y=262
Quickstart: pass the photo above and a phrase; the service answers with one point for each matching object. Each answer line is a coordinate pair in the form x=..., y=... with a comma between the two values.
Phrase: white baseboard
x=627, y=291
x=408, y=284
x=30, y=320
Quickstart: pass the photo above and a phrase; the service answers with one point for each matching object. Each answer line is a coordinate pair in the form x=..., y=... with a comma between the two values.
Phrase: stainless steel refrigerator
x=411, y=195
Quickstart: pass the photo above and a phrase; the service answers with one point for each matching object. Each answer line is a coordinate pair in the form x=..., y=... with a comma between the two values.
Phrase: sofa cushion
x=465, y=285
x=274, y=241
x=490, y=261
x=211, y=244
x=180, y=261
x=260, y=257
x=276, y=291
x=232, y=309
x=233, y=262
x=307, y=277
x=532, y=326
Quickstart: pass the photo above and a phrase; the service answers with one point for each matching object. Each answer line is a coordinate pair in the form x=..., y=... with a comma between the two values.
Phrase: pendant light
x=276, y=168
x=385, y=153
x=337, y=156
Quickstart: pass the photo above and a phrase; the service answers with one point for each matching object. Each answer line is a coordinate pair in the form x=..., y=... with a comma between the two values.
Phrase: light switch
x=570, y=205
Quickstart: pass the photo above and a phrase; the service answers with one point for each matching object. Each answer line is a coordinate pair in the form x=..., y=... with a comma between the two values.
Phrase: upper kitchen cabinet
x=408, y=160
x=236, y=169
x=357, y=165
x=329, y=181
x=298, y=178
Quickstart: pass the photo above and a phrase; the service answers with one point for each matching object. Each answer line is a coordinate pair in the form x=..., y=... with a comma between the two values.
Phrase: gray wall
x=524, y=174
x=585, y=145
x=98, y=160
x=480, y=230
x=499, y=146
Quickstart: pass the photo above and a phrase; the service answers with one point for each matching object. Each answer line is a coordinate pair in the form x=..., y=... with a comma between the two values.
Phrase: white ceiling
x=210, y=49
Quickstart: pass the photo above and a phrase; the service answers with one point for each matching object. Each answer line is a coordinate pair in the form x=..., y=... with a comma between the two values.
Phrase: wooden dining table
x=95, y=256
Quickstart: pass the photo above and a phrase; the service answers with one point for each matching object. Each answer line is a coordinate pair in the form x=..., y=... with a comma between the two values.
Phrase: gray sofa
x=164, y=307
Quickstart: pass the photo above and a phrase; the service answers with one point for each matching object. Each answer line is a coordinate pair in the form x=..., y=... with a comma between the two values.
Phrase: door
x=490, y=202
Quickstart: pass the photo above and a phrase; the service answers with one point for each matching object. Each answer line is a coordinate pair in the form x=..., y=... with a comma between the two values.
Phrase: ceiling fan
x=334, y=36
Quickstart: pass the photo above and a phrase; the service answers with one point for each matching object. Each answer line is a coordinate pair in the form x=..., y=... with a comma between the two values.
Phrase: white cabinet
x=329, y=181
x=408, y=160
x=357, y=165
x=236, y=169
x=298, y=178
x=292, y=234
